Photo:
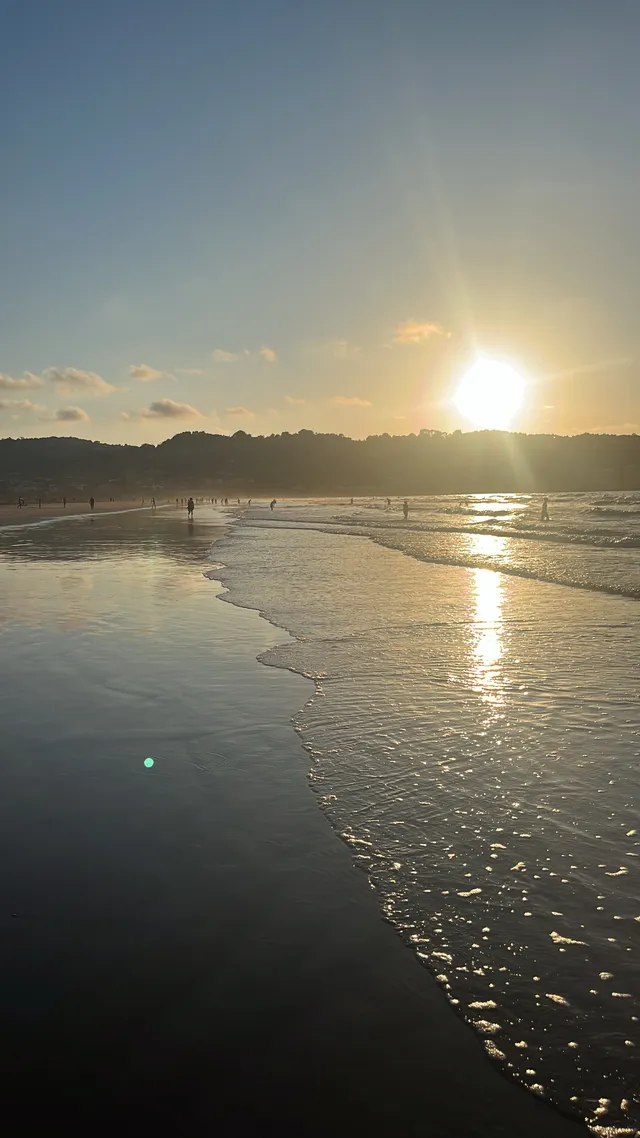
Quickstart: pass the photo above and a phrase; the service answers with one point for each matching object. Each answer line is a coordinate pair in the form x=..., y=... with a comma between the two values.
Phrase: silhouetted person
x=92, y=502
x=388, y=501
x=405, y=509
x=272, y=504
x=249, y=502
x=176, y=501
x=190, y=507
x=352, y=501
x=39, y=503
x=64, y=503
x=153, y=503
x=544, y=516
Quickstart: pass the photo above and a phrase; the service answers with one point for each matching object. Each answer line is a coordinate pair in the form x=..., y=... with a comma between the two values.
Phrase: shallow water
x=475, y=740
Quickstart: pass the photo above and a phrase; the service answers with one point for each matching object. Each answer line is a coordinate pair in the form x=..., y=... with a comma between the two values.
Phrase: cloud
x=221, y=357
x=145, y=373
x=418, y=332
x=240, y=411
x=293, y=401
x=349, y=401
x=27, y=382
x=343, y=350
x=163, y=409
x=190, y=371
x=268, y=355
x=67, y=380
x=20, y=405
x=71, y=415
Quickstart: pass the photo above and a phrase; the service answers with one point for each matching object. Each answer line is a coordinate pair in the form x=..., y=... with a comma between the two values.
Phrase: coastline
x=31, y=515
x=424, y=1066
x=214, y=957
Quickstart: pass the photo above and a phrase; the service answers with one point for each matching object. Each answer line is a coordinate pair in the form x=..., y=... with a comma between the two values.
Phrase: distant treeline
x=430, y=462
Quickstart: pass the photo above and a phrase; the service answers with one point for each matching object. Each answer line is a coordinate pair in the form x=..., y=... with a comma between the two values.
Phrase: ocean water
x=474, y=734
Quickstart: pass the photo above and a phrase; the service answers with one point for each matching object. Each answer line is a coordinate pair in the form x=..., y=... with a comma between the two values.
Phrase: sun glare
x=490, y=394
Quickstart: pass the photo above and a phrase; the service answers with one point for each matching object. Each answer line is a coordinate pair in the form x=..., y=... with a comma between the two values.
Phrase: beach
x=191, y=943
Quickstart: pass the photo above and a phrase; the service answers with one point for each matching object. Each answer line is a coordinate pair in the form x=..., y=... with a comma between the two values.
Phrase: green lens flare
x=149, y=762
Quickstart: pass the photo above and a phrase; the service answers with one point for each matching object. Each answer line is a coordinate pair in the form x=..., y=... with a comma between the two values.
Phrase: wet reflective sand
x=186, y=948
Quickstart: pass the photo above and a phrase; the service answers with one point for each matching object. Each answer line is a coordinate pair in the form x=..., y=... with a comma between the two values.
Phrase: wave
x=614, y=513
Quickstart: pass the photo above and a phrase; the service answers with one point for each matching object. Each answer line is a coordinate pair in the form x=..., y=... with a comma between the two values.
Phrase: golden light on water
x=488, y=648
x=490, y=394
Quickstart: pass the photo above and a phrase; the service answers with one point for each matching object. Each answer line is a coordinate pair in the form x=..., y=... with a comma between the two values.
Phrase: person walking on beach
x=92, y=502
x=190, y=507
x=272, y=504
x=405, y=509
x=544, y=516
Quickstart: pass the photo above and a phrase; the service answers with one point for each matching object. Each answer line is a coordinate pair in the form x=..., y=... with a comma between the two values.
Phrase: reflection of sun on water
x=488, y=649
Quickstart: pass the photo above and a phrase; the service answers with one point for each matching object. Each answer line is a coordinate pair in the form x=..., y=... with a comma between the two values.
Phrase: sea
x=473, y=731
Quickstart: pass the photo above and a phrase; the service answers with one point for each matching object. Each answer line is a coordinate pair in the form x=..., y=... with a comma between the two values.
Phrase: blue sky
x=285, y=215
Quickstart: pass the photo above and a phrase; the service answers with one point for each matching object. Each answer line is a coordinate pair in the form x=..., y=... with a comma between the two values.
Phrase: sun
x=490, y=394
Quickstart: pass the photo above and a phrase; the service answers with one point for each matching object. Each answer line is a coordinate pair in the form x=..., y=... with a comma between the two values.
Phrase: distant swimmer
x=544, y=516
x=272, y=504
x=405, y=509
x=190, y=507
x=92, y=502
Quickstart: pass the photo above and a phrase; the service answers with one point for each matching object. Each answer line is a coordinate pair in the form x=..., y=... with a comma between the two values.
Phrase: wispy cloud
x=265, y=354
x=293, y=401
x=219, y=356
x=27, y=382
x=20, y=405
x=190, y=371
x=145, y=373
x=163, y=409
x=343, y=350
x=242, y=412
x=418, y=332
x=67, y=380
x=349, y=401
x=71, y=415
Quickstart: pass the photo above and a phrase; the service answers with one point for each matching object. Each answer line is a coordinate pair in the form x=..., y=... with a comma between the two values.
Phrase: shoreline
x=13, y=517
x=499, y=1105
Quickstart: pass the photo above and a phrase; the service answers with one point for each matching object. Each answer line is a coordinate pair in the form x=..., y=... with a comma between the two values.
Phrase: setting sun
x=490, y=394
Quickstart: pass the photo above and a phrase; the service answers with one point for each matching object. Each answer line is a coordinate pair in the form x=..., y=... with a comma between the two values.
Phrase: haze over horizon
x=283, y=216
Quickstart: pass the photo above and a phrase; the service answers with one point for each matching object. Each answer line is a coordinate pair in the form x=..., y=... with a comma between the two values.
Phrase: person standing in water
x=272, y=504
x=405, y=509
x=64, y=503
x=92, y=502
x=544, y=516
x=190, y=507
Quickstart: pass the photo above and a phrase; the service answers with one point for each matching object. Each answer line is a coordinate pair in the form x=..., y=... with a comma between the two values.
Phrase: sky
x=270, y=216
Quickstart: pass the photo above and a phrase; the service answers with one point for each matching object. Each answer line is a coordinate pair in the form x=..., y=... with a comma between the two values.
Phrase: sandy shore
x=11, y=515
x=193, y=950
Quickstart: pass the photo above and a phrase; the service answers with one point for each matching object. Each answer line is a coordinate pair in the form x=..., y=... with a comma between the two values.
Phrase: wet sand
x=11, y=515
x=189, y=950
